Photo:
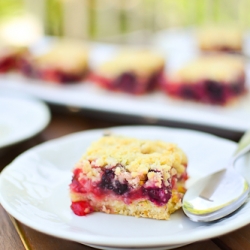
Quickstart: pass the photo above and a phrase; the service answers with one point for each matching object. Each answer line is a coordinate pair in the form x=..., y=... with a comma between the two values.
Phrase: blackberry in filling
x=188, y=93
x=126, y=82
x=159, y=196
x=129, y=82
x=214, y=90
x=108, y=182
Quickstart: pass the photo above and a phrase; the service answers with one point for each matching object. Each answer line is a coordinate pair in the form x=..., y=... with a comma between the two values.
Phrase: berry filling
x=206, y=91
x=111, y=186
x=53, y=75
x=7, y=63
x=159, y=196
x=129, y=82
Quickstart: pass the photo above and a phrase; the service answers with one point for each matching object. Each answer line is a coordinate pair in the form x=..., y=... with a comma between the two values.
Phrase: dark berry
x=160, y=196
x=152, y=82
x=236, y=88
x=126, y=82
x=107, y=179
x=67, y=78
x=108, y=182
x=214, y=90
x=188, y=93
x=154, y=170
x=120, y=188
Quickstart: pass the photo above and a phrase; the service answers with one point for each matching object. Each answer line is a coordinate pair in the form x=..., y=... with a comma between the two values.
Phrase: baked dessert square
x=132, y=71
x=65, y=62
x=227, y=39
x=10, y=57
x=128, y=176
x=213, y=79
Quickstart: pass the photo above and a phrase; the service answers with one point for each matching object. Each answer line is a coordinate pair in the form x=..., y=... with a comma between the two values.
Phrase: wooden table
x=14, y=235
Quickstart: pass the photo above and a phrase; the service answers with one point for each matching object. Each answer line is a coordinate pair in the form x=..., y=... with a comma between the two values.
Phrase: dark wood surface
x=14, y=235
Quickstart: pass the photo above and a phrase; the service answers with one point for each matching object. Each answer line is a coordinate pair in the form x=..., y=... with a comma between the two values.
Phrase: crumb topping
x=66, y=56
x=142, y=63
x=136, y=156
x=220, y=37
x=11, y=50
x=224, y=68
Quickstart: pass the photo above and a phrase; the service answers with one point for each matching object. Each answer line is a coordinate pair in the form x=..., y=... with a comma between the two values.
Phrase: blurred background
x=119, y=20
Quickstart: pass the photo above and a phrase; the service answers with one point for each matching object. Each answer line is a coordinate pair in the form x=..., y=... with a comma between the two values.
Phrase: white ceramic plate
x=34, y=189
x=20, y=118
x=179, y=47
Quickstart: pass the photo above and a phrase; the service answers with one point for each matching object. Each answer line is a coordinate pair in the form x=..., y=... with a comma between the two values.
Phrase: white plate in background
x=21, y=117
x=34, y=189
x=178, y=47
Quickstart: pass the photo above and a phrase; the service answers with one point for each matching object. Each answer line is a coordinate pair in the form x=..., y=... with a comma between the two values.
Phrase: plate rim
x=28, y=100
x=109, y=241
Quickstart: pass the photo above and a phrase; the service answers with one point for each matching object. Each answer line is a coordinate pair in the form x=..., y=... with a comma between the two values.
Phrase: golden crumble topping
x=142, y=63
x=220, y=37
x=137, y=156
x=224, y=68
x=67, y=56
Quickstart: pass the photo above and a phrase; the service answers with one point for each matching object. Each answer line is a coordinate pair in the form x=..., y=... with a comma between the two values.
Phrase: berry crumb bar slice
x=65, y=62
x=134, y=72
x=213, y=79
x=127, y=176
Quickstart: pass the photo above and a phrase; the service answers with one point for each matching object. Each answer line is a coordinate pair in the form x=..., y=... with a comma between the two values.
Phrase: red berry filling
x=7, y=63
x=53, y=75
x=129, y=82
x=206, y=91
x=109, y=185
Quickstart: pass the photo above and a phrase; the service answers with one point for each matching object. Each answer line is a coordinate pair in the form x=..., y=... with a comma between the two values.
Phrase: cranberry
x=81, y=208
x=7, y=64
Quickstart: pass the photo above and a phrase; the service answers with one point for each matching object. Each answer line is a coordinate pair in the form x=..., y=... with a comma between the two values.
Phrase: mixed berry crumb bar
x=65, y=62
x=134, y=72
x=213, y=79
x=127, y=176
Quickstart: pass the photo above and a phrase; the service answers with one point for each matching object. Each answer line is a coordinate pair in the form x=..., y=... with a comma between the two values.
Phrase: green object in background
x=10, y=8
x=54, y=17
x=154, y=14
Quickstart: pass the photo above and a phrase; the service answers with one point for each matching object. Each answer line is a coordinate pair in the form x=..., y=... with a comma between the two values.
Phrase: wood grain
x=9, y=238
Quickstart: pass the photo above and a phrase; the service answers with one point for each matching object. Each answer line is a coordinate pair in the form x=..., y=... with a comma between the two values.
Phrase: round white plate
x=35, y=190
x=20, y=118
x=179, y=47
